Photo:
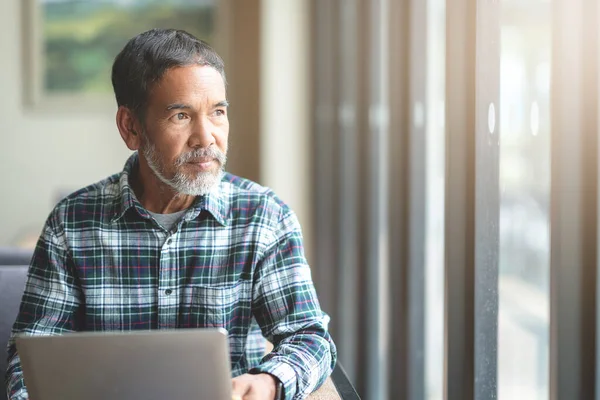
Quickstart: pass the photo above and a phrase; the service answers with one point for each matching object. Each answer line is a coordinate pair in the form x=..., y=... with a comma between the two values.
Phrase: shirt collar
x=215, y=202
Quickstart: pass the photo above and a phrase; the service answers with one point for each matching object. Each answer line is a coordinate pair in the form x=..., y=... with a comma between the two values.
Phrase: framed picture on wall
x=70, y=45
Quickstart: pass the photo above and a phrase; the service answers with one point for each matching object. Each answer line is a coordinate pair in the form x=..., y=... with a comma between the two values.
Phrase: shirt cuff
x=283, y=371
x=20, y=394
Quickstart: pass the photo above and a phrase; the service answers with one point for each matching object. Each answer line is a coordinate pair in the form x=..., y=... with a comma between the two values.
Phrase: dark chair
x=343, y=385
x=15, y=256
x=12, y=283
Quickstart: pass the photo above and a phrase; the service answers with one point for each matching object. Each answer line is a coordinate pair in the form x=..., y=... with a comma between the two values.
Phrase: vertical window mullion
x=472, y=198
x=416, y=193
x=348, y=172
x=574, y=199
x=378, y=230
x=460, y=199
x=401, y=368
x=325, y=198
x=591, y=77
x=487, y=199
x=597, y=149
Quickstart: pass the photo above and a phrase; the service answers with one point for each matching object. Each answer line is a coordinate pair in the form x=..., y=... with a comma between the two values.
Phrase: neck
x=154, y=194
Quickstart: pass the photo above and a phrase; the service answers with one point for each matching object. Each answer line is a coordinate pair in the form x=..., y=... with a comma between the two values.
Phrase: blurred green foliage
x=82, y=38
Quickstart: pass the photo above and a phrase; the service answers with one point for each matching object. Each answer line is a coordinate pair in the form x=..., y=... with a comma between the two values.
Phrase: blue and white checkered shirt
x=235, y=260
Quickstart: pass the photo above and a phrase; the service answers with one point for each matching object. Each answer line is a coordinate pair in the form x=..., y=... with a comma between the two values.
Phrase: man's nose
x=202, y=134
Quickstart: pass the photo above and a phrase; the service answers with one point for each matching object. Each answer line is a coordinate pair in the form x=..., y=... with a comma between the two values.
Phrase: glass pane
x=435, y=155
x=524, y=309
x=81, y=38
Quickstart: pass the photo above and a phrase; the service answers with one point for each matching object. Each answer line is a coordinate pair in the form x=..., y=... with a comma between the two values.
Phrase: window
x=524, y=269
x=489, y=243
x=435, y=177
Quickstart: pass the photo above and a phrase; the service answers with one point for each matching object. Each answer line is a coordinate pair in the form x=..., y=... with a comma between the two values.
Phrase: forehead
x=190, y=83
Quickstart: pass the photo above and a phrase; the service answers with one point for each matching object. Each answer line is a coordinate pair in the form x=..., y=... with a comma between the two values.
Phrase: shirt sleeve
x=286, y=307
x=49, y=302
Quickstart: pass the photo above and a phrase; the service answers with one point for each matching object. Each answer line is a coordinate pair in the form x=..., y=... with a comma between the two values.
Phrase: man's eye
x=220, y=113
x=180, y=117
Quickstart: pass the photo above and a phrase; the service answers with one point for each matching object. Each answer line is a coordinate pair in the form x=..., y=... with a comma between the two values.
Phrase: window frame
x=574, y=199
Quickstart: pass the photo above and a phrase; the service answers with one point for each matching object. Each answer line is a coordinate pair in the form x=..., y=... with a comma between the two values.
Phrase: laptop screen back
x=162, y=364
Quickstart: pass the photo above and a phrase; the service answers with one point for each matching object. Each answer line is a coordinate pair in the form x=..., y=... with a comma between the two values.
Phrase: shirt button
x=168, y=292
x=169, y=240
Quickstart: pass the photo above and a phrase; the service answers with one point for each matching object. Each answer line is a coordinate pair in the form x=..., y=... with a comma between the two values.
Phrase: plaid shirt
x=235, y=260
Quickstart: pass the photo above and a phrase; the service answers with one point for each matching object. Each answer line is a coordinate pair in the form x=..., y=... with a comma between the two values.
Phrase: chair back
x=12, y=284
x=15, y=256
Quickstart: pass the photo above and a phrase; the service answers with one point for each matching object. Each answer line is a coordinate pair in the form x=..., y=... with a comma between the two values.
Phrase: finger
x=239, y=387
x=251, y=395
x=236, y=397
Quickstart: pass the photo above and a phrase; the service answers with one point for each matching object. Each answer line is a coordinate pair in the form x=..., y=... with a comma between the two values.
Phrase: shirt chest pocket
x=217, y=306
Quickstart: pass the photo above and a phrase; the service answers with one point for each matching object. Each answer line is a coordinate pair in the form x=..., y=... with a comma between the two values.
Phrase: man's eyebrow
x=178, y=106
x=223, y=103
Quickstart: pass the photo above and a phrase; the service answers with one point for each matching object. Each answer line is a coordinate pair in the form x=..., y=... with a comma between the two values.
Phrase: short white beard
x=202, y=184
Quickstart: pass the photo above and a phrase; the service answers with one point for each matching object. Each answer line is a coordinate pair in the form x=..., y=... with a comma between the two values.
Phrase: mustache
x=211, y=152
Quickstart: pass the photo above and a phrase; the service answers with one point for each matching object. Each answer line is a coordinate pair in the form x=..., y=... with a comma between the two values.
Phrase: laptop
x=148, y=365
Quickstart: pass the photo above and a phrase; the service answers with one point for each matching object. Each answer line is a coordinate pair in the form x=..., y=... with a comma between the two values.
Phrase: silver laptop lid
x=161, y=364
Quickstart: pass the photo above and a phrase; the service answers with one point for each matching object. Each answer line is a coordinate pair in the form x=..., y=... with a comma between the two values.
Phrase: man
x=173, y=241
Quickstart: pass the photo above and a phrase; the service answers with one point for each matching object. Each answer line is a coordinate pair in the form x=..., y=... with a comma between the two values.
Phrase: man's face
x=186, y=128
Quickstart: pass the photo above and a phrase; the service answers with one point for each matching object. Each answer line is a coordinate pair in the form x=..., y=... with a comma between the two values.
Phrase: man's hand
x=254, y=387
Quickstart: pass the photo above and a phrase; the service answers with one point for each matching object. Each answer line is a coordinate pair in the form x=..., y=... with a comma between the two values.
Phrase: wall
x=267, y=58
x=285, y=99
x=238, y=43
x=42, y=153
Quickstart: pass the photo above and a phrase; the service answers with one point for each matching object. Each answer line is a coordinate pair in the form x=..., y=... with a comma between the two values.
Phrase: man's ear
x=129, y=127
